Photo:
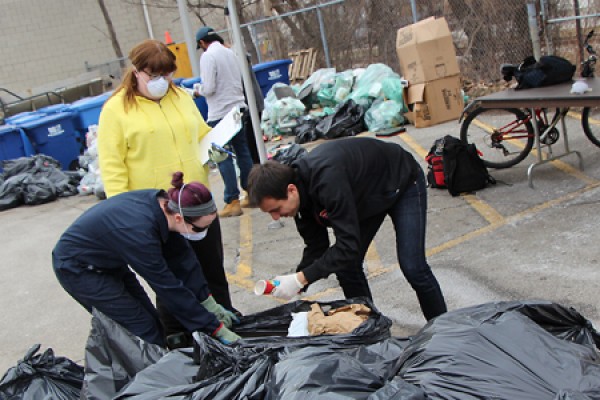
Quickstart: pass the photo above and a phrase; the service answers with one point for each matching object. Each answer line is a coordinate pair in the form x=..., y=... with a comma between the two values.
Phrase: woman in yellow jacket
x=149, y=129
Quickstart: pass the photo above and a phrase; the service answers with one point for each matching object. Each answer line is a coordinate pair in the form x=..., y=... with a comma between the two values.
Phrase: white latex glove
x=197, y=89
x=289, y=286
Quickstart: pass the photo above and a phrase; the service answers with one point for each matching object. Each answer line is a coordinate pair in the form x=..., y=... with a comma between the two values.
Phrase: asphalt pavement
x=506, y=242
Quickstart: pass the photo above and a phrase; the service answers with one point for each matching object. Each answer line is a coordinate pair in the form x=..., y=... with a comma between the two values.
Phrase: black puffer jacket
x=341, y=184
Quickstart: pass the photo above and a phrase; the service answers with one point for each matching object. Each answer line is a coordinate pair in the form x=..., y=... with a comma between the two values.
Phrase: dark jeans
x=239, y=145
x=409, y=217
x=209, y=252
x=118, y=295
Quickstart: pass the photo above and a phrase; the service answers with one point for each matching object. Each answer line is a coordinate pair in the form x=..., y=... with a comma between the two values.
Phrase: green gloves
x=217, y=156
x=225, y=336
x=224, y=315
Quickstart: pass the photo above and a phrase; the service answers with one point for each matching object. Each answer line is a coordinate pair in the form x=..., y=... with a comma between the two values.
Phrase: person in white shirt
x=223, y=89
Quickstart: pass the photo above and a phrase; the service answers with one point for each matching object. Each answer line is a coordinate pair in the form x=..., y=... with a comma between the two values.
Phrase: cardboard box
x=426, y=51
x=433, y=102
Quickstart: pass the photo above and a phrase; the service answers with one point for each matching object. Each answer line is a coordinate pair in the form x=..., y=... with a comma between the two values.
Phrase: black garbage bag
x=42, y=376
x=288, y=153
x=347, y=120
x=305, y=131
x=309, y=372
x=247, y=369
x=35, y=180
x=356, y=373
x=38, y=190
x=113, y=356
x=11, y=192
x=507, y=350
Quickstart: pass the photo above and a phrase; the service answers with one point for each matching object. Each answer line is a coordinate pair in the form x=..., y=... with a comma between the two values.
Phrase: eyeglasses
x=154, y=77
x=195, y=228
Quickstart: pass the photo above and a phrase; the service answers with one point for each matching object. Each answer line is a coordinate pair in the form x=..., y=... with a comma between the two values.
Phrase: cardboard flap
x=422, y=31
x=416, y=93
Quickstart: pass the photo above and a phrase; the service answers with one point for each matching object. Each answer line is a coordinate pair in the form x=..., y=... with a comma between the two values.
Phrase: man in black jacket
x=350, y=185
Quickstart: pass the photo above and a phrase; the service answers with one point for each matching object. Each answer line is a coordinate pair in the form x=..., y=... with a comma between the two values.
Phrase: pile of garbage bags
x=91, y=182
x=350, y=102
x=504, y=350
x=35, y=180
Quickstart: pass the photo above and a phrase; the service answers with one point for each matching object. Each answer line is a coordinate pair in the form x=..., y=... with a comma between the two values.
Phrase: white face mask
x=158, y=87
x=196, y=235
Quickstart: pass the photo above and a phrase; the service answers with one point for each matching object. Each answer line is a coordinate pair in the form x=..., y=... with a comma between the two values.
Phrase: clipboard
x=221, y=134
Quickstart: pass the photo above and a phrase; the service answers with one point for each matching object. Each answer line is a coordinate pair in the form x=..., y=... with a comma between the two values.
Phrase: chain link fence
x=356, y=33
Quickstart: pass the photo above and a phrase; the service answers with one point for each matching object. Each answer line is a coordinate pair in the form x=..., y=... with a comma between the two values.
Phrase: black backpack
x=463, y=169
x=550, y=70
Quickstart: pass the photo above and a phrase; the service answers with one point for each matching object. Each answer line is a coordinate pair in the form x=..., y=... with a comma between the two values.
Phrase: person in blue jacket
x=350, y=185
x=145, y=232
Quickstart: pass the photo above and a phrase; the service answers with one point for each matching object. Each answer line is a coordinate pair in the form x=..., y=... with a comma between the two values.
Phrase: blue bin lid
x=271, y=65
x=25, y=119
x=4, y=129
x=188, y=83
x=88, y=102
x=24, y=116
x=46, y=119
x=54, y=108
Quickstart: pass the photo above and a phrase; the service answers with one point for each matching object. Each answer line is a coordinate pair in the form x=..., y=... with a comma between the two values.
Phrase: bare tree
x=111, y=32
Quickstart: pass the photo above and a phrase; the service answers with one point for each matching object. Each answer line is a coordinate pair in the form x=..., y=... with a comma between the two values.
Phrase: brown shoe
x=232, y=209
x=245, y=203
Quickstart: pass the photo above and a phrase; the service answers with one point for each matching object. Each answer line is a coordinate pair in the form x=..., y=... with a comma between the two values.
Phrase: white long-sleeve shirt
x=221, y=81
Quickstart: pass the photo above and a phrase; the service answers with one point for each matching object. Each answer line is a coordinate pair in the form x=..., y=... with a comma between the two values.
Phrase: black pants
x=209, y=252
x=249, y=129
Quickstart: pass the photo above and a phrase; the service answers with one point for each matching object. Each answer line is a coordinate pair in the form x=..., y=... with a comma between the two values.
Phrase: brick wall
x=45, y=43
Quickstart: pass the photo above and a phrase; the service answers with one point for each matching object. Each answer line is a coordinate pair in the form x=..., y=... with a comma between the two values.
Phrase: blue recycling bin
x=271, y=72
x=87, y=112
x=53, y=109
x=200, y=100
x=55, y=136
x=13, y=143
x=23, y=117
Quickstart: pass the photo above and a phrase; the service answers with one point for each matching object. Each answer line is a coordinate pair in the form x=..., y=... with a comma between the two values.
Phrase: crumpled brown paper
x=340, y=320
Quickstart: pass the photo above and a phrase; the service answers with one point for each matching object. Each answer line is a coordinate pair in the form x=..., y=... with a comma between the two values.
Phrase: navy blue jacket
x=131, y=229
x=342, y=183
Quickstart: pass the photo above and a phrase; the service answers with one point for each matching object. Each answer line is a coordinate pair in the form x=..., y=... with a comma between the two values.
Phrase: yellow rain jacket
x=143, y=147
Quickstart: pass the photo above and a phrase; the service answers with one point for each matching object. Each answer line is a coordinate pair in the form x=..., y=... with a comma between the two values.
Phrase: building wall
x=44, y=44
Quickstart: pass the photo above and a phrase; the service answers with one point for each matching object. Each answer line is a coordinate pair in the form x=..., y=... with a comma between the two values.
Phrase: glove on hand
x=288, y=287
x=197, y=88
x=217, y=156
x=225, y=336
x=224, y=315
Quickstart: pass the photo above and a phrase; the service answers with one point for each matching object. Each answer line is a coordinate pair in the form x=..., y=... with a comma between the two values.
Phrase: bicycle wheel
x=503, y=136
x=590, y=119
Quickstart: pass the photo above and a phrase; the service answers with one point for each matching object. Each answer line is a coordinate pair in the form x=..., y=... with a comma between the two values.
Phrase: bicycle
x=505, y=136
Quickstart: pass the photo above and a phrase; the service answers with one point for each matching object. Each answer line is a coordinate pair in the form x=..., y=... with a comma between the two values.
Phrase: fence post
x=323, y=38
x=534, y=30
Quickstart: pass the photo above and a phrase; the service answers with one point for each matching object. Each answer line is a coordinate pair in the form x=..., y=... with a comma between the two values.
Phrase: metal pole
x=241, y=53
x=534, y=30
x=413, y=6
x=147, y=18
x=190, y=39
x=252, y=30
x=323, y=38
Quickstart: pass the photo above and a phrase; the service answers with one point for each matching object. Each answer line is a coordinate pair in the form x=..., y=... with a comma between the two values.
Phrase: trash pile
x=91, y=182
x=504, y=350
x=35, y=180
x=332, y=104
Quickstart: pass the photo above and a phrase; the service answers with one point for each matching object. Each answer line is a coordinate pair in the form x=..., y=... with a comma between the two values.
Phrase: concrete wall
x=45, y=43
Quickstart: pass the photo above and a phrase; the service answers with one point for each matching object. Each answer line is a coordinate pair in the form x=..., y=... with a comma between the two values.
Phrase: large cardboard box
x=433, y=102
x=426, y=51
